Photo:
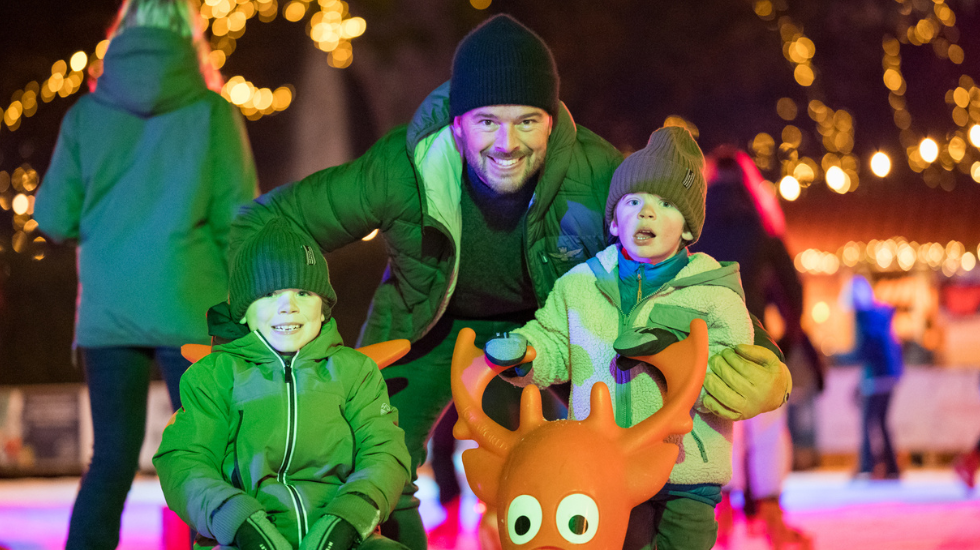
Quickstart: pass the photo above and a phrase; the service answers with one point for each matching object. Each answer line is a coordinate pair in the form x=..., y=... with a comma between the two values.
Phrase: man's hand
x=745, y=381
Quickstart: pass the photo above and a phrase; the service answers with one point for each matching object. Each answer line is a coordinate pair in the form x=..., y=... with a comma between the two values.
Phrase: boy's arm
x=190, y=455
x=337, y=205
x=745, y=380
x=548, y=334
x=381, y=459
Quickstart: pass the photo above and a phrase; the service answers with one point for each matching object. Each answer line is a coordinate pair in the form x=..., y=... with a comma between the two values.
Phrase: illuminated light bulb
x=370, y=235
x=789, y=188
x=20, y=204
x=240, y=93
x=101, y=48
x=881, y=165
x=928, y=149
x=975, y=171
x=78, y=61
x=820, y=312
x=354, y=27
x=968, y=261
x=906, y=258
x=837, y=180
x=975, y=135
x=829, y=264
x=884, y=257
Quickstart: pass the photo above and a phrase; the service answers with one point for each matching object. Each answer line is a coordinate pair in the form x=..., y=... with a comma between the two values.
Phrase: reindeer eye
x=523, y=519
x=577, y=518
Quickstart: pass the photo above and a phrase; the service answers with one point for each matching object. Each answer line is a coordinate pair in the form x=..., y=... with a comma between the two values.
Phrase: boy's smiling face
x=649, y=227
x=288, y=319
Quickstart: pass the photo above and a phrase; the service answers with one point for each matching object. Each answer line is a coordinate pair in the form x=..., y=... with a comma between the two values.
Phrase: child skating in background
x=634, y=298
x=286, y=438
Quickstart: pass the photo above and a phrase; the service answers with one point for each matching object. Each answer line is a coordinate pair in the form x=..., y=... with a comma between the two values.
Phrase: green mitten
x=331, y=533
x=643, y=341
x=258, y=533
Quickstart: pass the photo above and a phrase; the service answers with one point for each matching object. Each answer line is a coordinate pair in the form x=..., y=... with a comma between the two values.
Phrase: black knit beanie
x=672, y=166
x=502, y=62
x=275, y=258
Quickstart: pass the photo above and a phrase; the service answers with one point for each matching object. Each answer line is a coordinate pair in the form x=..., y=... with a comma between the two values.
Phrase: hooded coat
x=408, y=186
x=146, y=176
x=574, y=336
x=297, y=438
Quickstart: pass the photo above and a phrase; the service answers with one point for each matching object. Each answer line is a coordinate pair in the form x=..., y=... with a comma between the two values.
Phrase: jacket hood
x=149, y=71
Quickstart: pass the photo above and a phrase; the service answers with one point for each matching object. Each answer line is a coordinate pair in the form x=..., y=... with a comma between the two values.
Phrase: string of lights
x=920, y=24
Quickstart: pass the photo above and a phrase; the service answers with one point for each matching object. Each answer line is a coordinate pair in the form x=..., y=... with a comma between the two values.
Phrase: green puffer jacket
x=147, y=174
x=297, y=441
x=408, y=186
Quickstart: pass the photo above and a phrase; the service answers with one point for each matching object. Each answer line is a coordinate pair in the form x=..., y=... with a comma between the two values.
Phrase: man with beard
x=485, y=199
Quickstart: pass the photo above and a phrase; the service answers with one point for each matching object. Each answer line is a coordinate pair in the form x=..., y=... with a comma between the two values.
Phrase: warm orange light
x=789, y=188
x=881, y=165
x=928, y=149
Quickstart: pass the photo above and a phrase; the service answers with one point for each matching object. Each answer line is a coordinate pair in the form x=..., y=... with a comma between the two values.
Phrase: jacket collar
x=253, y=348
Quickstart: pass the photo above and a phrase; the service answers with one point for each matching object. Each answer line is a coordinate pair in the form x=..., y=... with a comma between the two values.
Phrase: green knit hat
x=672, y=166
x=502, y=62
x=275, y=258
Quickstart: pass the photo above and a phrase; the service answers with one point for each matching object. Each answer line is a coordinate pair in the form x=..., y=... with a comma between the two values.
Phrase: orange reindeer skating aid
x=570, y=483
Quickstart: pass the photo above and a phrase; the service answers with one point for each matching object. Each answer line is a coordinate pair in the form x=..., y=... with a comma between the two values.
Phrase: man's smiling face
x=504, y=144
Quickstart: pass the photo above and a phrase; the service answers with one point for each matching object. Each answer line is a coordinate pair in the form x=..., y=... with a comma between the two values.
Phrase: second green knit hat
x=275, y=258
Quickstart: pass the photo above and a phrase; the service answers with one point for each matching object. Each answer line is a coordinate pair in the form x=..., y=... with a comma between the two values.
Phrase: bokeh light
x=881, y=165
x=789, y=188
x=837, y=180
x=928, y=150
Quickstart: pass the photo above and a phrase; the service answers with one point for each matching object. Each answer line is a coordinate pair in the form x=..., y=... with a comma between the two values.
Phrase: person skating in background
x=147, y=174
x=484, y=200
x=880, y=355
x=744, y=224
x=286, y=437
x=636, y=297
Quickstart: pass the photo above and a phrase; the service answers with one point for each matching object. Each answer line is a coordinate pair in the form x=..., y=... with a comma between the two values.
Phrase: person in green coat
x=146, y=176
x=286, y=437
x=489, y=195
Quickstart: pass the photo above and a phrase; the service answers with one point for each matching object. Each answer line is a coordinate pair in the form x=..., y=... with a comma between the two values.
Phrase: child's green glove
x=331, y=533
x=258, y=533
x=745, y=381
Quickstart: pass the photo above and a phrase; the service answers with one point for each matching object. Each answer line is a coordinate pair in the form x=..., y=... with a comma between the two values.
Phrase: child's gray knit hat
x=671, y=166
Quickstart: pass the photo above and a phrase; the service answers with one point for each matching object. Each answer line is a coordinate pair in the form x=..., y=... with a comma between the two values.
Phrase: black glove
x=643, y=341
x=258, y=533
x=331, y=533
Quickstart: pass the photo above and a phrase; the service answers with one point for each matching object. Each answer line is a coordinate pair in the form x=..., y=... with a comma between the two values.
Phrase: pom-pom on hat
x=502, y=62
x=275, y=258
x=671, y=166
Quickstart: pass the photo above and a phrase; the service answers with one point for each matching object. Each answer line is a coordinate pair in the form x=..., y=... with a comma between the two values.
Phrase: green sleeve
x=381, y=459
x=341, y=204
x=233, y=178
x=190, y=456
x=548, y=335
x=61, y=196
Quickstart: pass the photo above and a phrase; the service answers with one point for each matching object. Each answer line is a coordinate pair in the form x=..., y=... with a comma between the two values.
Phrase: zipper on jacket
x=639, y=286
x=236, y=473
x=292, y=417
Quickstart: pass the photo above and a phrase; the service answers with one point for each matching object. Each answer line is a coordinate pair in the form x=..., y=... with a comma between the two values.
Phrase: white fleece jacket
x=574, y=332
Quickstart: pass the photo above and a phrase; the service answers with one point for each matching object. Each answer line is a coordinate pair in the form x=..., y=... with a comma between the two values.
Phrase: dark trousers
x=876, y=445
x=118, y=381
x=419, y=388
x=671, y=523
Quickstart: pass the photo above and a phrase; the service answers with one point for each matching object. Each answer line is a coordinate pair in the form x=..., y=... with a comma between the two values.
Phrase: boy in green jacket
x=635, y=298
x=286, y=438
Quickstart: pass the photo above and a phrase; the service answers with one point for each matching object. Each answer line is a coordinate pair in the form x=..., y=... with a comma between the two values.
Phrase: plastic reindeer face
x=571, y=484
